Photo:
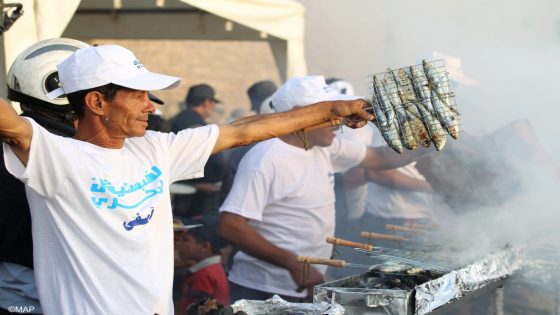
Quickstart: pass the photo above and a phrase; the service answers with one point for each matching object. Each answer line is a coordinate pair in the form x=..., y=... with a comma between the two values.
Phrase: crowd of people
x=89, y=224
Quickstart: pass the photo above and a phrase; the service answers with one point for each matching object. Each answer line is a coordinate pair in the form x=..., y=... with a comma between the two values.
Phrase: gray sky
x=511, y=48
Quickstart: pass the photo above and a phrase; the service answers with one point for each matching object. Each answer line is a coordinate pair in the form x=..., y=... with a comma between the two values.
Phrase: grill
x=401, y=289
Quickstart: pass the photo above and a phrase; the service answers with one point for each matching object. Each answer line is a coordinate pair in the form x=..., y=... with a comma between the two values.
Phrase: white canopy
x=280, y=18
x=280, y=22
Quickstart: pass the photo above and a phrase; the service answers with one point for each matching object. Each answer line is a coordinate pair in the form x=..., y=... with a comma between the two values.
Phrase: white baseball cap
x=303, y=91
x=96, y=66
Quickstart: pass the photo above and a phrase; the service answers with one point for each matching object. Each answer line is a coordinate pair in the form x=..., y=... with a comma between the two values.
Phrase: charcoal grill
x=406, y=290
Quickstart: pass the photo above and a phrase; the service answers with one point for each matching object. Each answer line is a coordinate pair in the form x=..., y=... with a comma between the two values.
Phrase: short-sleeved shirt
x=206, y=279
x=287, y=194
x=102, y=221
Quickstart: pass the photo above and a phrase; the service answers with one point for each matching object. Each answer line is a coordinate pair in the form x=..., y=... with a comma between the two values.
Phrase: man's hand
x=353, y=114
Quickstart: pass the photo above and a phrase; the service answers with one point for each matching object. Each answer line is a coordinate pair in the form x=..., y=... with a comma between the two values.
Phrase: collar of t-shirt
x=205, y=263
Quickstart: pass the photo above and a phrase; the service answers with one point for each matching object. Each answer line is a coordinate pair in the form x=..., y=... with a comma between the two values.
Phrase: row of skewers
x=414, y=256
x=415, y=106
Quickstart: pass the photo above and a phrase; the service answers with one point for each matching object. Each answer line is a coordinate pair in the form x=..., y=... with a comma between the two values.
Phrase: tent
x=279, y=22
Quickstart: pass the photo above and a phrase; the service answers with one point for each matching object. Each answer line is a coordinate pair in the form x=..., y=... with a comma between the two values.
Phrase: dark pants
x=238, y=292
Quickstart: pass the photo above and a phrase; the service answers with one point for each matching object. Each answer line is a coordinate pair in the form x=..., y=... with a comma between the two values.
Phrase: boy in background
x=206, y=278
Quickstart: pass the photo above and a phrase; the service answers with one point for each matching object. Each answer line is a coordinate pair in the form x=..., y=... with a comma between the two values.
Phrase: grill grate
x=415, y=106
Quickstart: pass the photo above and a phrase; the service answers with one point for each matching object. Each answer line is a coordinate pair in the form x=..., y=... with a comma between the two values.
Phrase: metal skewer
x=414, y=262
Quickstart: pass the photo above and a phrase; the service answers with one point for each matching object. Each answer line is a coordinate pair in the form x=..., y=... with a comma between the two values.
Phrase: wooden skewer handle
x=421, y=226
x=338, y=241
x=322, y=261
x=380, y=236
x=401, y=228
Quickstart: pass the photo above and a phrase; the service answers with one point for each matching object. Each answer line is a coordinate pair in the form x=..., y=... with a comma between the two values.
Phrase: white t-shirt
x=287, y=194
x=102, y=221
x=391, y=203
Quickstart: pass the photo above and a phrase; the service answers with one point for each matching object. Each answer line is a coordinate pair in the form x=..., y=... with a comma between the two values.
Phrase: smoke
x=512, y=49
x=506, y=193
x=521, y=210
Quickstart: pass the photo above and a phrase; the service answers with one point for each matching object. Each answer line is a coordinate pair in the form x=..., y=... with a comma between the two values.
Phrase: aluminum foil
x=357, y=299
x=277, y=306
x=458, y=283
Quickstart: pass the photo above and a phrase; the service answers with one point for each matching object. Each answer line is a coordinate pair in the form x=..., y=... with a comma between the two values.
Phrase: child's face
x=189, y=248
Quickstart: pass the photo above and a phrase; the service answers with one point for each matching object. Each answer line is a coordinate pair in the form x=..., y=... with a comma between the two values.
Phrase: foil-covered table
x=358, y=295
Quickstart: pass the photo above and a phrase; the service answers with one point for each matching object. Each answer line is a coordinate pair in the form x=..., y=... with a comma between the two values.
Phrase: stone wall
x=229, y=66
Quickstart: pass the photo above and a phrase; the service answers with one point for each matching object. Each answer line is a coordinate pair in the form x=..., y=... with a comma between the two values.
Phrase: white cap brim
x=147, y=81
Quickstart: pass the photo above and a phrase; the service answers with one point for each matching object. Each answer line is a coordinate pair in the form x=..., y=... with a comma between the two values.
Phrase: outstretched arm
x=262, y=127
x=15, y=131
x=235, y=229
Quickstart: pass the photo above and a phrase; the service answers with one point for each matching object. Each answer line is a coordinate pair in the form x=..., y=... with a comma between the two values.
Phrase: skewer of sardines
x=415, y=106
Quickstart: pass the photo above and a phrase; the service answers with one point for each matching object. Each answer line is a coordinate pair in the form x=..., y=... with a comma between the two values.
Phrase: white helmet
x=33, y=73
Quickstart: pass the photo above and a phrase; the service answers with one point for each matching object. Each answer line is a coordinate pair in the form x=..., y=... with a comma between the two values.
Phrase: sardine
x=447, y=119
x=437, y=134
x=383, y=98
x=424, y=107
x=438, y=81
x=421, y=85
x=409, y=98
x=408, y=137
x=445, y=109
x=391, y=135
x=418, y=127
x=405, y=86
x=380, y=118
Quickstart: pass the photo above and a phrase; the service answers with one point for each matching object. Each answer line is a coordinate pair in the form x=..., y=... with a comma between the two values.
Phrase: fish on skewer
x=424, y=107
x=447, y=119
x=396, y=97
x=440, y=93
x=408, y=97
x=384, y=99
x=379, y=115
x=389, y=131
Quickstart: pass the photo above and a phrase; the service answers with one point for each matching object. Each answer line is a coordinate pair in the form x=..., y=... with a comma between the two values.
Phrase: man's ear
x=95, y=101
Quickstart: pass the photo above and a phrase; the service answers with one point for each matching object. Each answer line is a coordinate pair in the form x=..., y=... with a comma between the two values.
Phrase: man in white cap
x=282, y=201
x=102, y=222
